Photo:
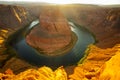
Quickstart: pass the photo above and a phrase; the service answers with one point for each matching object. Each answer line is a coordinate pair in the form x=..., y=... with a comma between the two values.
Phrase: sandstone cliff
x=12, y=18
x=52, y=34
x=99, y=65
x=111, y=69
x=104, y=22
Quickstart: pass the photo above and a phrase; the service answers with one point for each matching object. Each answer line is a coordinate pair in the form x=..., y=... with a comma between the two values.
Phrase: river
x=32, y=56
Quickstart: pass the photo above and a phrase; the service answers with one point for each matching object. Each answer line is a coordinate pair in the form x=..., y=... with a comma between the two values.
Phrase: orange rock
x=52, y=34
x=8, y=71
x=43, y=73
x=92, y=67
x=111, y=69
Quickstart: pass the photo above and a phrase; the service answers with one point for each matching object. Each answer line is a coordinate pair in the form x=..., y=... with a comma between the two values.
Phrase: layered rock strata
x=52, y=34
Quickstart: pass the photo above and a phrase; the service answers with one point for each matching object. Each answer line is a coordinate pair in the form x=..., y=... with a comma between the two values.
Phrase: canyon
x=102, y=21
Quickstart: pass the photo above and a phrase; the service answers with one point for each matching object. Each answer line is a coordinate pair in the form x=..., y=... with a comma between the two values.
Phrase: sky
x=99, y=2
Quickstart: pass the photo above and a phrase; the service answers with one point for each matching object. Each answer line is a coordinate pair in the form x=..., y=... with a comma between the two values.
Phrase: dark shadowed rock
x=104, y=22
x=52, y=34
x=14, y=17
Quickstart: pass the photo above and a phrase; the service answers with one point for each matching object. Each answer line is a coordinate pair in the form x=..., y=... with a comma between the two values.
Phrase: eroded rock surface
x=111, y=69
x=104, y=22
x=12, y=18
x=52, y=34
x=92, y=67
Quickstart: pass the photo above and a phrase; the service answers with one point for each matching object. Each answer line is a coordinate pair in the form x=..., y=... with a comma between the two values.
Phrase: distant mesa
x=53, y=34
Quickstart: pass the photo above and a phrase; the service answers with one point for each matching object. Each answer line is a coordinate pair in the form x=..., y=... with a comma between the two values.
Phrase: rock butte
x=52, y=34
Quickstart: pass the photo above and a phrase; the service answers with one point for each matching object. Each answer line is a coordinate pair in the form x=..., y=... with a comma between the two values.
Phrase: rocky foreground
x=100, y=64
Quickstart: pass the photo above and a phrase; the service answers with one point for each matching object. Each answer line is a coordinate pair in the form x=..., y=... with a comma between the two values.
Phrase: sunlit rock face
x=111, y=69
x=52, y=34
x=100, y=64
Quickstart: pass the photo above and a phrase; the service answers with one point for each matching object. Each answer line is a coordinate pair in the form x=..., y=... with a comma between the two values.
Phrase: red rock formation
x=104, y=22
x=52, y=34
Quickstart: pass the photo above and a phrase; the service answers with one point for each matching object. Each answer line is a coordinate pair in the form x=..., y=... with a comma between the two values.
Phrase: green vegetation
x=85, y=55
